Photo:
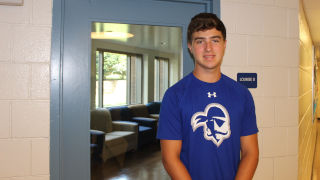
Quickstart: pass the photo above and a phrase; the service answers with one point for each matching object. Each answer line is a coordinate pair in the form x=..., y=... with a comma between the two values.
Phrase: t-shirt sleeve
x=249, y=123
x=169, y=119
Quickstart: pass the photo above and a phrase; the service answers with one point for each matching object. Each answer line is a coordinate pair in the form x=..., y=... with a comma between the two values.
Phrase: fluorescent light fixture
x=110, y=35
x=11, y=2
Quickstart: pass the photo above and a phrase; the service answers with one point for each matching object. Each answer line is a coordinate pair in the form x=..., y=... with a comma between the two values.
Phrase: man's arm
x=249, y=157
x=170, y=150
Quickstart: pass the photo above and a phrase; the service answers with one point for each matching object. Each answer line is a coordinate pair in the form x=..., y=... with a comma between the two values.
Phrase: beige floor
x=316, y=163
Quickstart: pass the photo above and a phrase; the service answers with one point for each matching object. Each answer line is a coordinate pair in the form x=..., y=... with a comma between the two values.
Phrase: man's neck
x=209, y=76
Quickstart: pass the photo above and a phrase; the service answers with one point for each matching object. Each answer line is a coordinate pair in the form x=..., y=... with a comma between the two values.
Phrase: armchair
x=147, y=126
x=141, y=110
x=120, y=137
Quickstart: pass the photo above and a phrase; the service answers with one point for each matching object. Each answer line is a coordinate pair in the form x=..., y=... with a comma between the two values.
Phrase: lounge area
x=127, y=86
x=117, y=130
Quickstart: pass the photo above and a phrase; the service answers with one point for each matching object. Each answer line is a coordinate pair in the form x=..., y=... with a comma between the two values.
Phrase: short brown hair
x=205, y=21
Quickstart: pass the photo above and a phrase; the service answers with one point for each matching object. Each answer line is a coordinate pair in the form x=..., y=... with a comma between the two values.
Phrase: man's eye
x=215, y=40
x=199, y=41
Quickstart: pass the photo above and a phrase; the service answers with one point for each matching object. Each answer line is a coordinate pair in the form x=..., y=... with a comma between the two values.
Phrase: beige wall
x=307, y=130
x=263, y=37
x=25, y=37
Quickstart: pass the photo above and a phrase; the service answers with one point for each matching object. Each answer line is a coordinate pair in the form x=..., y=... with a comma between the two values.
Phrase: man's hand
x=249, y=157
x=170, y=150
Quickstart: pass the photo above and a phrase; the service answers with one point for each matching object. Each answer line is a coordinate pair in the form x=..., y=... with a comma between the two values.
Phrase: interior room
x=132, y=66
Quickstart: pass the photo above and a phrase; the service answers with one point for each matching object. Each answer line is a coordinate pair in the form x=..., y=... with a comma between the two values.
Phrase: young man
x=206, y=118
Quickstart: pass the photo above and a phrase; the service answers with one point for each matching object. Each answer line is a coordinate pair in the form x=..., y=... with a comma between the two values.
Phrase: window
x=161, y=77
x=118, y=78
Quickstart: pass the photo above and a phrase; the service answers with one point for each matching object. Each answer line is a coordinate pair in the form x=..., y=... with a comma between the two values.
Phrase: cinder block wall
x=25, y=38
x=263, y=38
x=307, y=129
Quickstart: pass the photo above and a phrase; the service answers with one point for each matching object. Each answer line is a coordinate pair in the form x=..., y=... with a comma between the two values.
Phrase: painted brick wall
x=263, y=37
x=25, y=38
x=307, y=129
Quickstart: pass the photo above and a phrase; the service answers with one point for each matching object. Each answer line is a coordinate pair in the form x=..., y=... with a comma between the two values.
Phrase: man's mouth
x=209, y=56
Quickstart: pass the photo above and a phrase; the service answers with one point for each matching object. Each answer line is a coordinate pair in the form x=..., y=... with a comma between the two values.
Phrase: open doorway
x=131, y=68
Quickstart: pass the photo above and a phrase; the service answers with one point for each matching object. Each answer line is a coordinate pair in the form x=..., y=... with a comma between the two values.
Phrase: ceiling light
x=111, y=35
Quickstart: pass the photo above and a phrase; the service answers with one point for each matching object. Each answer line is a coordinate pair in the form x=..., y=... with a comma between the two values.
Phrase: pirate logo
x=215, y=121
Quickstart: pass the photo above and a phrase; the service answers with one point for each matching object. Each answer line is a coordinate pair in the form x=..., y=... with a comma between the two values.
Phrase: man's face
x=207, y=48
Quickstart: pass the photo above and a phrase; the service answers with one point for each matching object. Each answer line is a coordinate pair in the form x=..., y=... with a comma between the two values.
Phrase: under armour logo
x=214, y=94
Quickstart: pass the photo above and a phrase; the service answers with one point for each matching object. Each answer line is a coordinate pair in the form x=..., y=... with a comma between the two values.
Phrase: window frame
x=128, y=78
x=157, y=90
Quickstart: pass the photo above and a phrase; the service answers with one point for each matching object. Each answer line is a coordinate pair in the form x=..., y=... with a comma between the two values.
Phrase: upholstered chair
x=147, y=126
x=120, y=137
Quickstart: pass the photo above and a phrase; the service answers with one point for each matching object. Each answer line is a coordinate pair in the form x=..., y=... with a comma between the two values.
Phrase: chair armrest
x=143, y=121
x=125, y=126
x=97, y=138
x=95, y=135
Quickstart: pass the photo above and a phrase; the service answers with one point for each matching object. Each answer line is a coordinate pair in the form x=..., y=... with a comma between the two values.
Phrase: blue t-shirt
x=209, y=118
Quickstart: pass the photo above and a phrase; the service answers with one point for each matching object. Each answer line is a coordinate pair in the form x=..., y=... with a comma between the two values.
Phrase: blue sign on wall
x=248, y=79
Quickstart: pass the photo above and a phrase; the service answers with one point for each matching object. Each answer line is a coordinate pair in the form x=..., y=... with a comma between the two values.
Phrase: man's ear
x=189, y=47
x=189, y=50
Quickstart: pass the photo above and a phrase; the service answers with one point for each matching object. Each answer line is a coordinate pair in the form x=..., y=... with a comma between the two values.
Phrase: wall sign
x=11, y=2
x=249, y=80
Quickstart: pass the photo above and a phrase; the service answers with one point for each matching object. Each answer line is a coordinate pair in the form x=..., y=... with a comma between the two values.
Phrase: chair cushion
x=101, y=120
x=119, y=137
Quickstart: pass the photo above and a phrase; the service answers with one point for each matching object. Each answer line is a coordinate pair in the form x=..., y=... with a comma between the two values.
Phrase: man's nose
x=209, y=46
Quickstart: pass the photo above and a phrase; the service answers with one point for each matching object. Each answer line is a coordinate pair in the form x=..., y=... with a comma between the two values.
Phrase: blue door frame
x=69, y=147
